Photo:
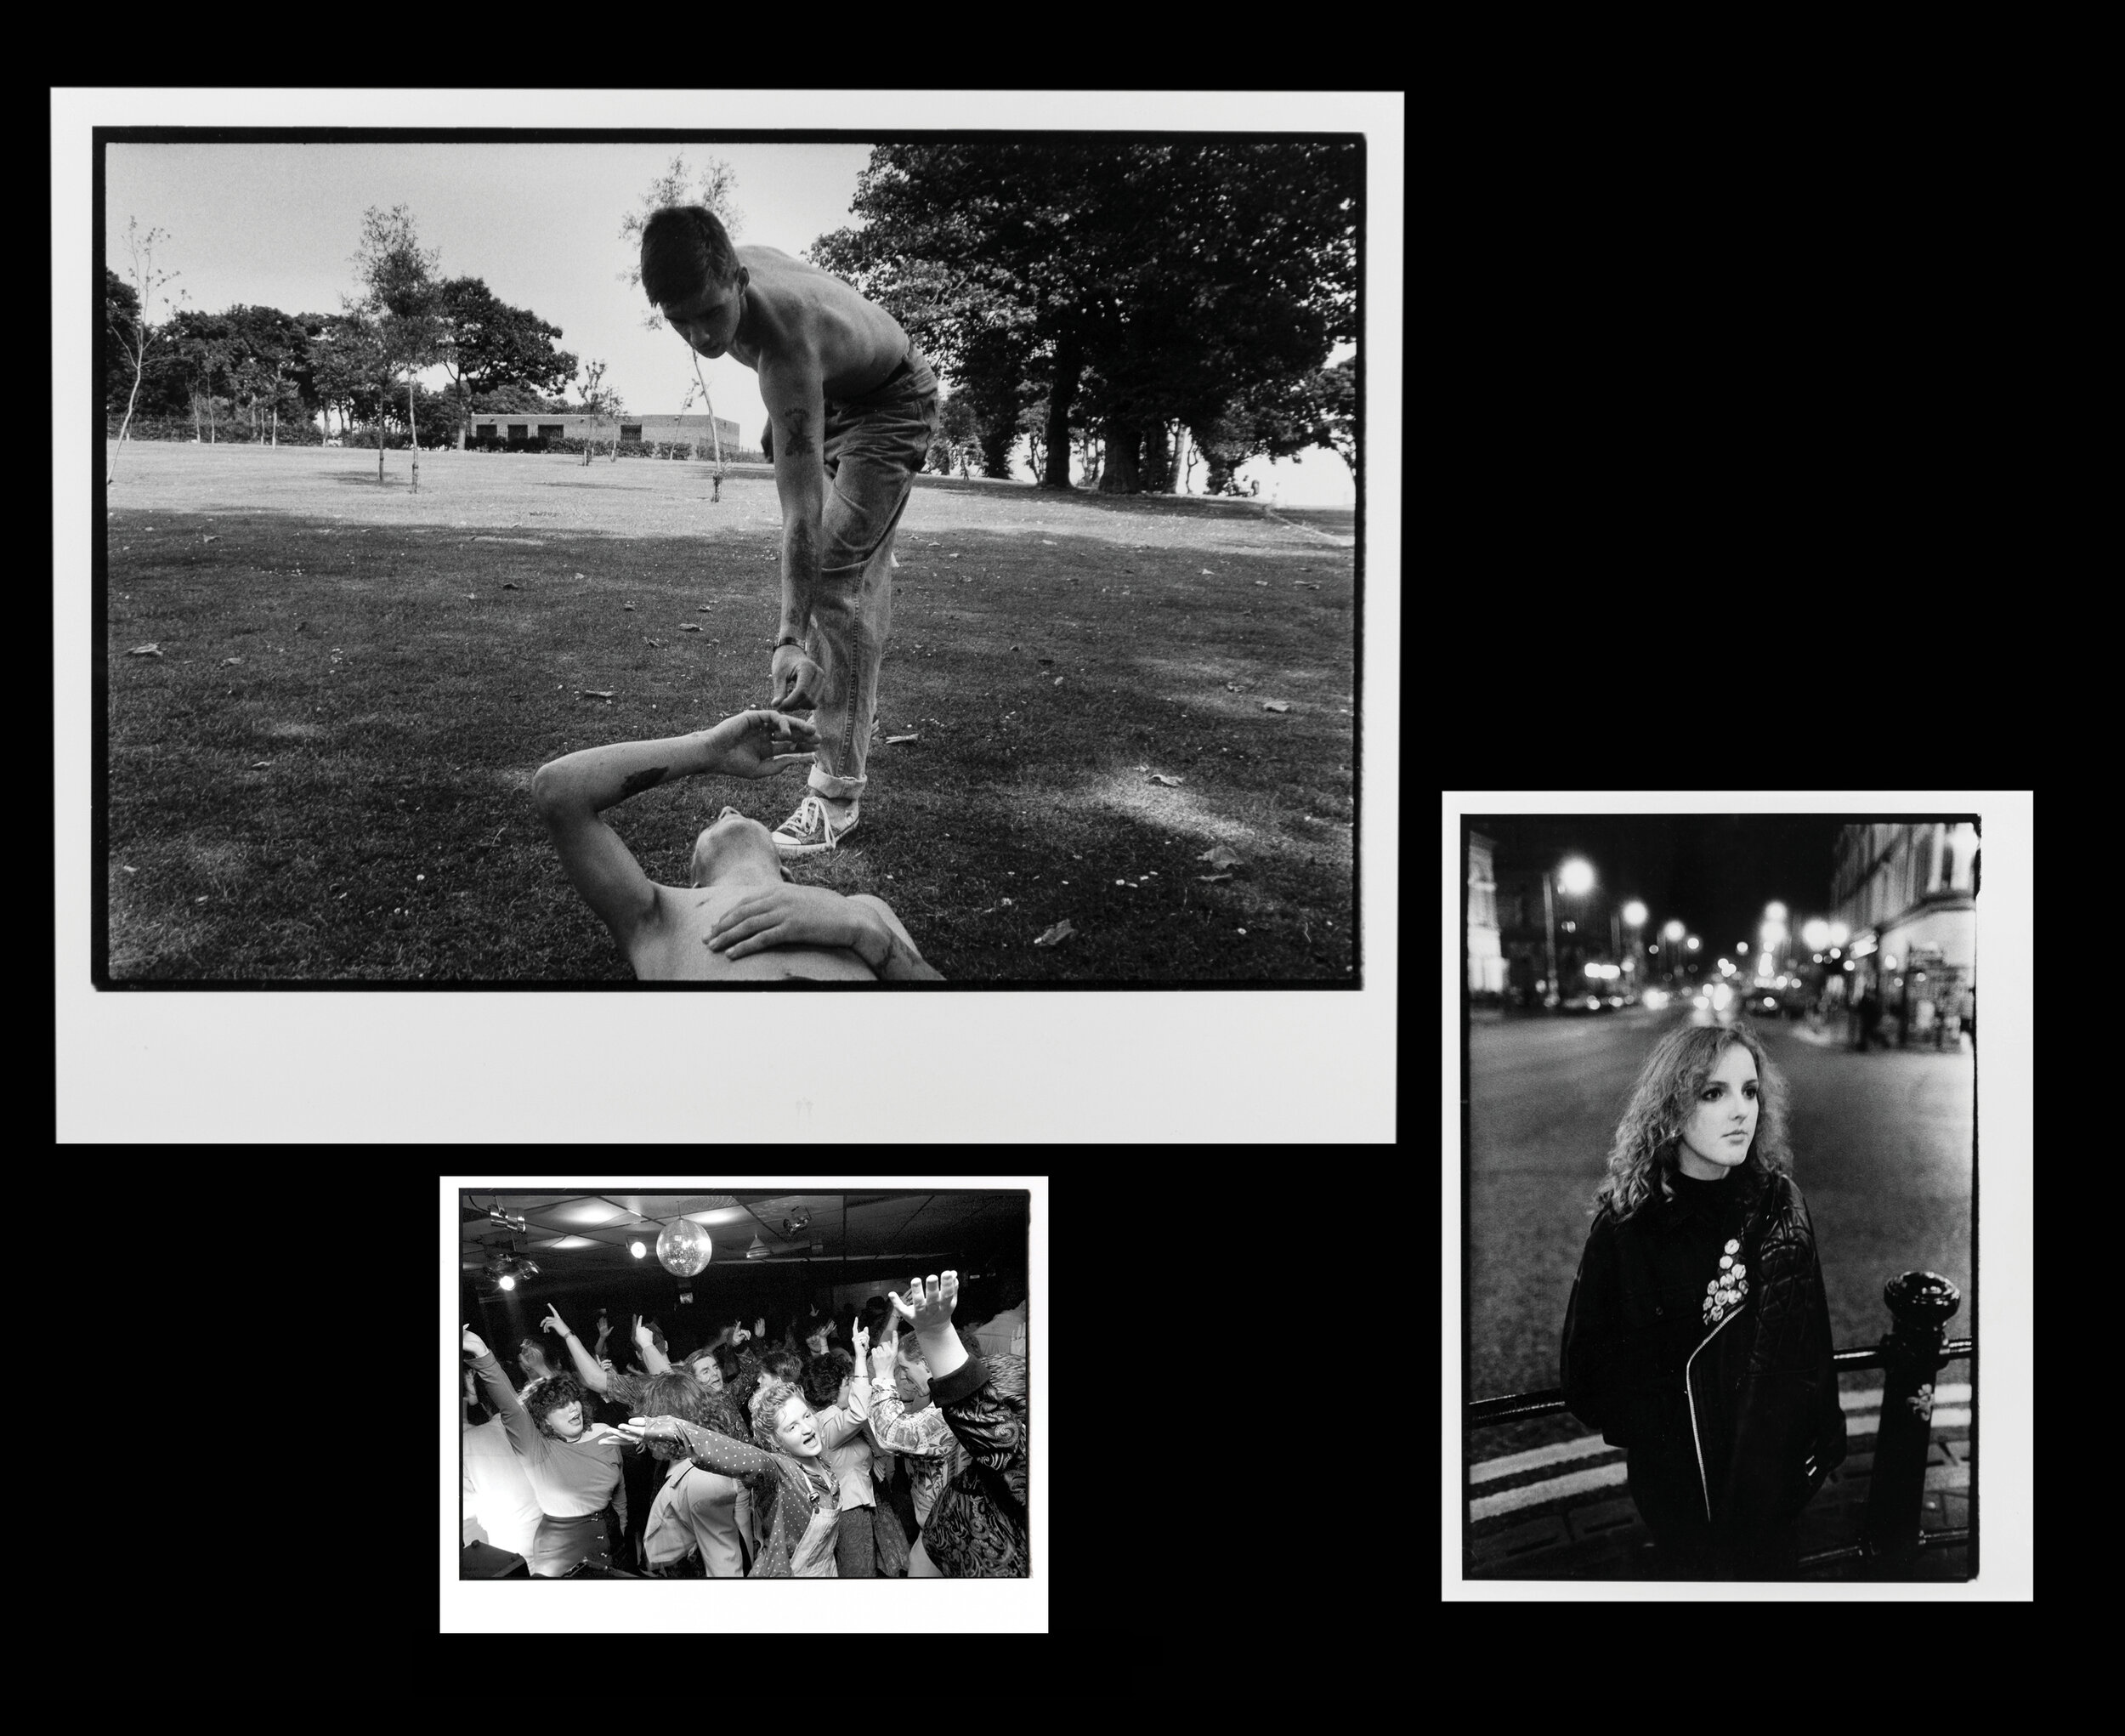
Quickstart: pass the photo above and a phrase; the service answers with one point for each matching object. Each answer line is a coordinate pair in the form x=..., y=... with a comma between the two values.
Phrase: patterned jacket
x=977, y=1530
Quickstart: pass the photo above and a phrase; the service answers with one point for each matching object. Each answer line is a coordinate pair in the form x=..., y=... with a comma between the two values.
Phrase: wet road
x=1882, y=1146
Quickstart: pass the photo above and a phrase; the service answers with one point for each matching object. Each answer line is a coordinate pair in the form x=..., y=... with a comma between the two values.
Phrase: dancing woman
x=571, y=1463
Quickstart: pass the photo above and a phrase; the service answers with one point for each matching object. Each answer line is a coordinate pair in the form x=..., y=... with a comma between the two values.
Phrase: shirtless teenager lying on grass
x=738, y=918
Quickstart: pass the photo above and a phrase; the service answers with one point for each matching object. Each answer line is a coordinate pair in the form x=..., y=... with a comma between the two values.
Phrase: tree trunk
x=1219, y=474
x=132, y=397
x=381, y=401
x=412, y=435
x=464, y=412
x=1157, y=458
x=1061, y=394
x=1121, y=474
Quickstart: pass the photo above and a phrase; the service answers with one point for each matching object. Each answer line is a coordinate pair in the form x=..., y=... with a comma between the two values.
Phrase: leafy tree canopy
x=489, y=345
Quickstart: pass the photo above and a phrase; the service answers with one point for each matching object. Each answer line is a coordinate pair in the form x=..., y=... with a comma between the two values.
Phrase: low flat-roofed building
x=518, y=427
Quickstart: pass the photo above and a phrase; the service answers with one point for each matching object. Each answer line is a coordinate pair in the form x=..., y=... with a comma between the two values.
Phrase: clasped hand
x=789, y=915
x=759, y=743
x=798, y=683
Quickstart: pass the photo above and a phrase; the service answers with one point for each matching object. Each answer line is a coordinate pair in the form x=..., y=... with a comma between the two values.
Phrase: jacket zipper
x=1704, y=1486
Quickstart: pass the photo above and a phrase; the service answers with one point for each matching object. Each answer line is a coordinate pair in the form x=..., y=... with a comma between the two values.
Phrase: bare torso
x=794, y=310
x=674, y=948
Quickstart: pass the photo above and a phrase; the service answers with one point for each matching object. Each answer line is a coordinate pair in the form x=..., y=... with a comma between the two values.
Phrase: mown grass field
x=325, y=773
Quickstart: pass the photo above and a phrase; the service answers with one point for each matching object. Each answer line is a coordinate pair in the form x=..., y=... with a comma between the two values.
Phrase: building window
x=483, y=430
x=518, y=430
x=630, y=430
x=551, y=430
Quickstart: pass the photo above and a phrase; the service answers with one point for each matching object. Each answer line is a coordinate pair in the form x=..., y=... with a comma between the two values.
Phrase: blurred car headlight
x=1721, y=995
x=1656, y=998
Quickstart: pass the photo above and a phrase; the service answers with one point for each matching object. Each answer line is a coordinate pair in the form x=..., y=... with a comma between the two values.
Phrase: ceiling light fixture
x=758, y=1251
x=636, y=1249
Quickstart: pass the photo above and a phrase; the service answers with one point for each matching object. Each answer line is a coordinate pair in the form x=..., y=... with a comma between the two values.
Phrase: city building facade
x=1486, y=956
x=1908, y=894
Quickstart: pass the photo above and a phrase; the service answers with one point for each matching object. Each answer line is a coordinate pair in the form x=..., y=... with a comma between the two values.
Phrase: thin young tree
x=130, y=327
x=401, y=299
x=713, y=186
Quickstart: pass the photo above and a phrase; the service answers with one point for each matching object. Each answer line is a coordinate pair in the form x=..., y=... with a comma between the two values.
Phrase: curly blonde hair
x=766, y=1404
x=1664, y=1099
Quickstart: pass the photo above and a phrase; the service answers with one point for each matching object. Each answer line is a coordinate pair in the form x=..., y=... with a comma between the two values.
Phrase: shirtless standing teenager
x=853, y=408
x=737, y=919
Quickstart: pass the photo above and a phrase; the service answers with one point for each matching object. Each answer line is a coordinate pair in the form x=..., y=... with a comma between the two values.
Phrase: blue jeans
x=875, y=445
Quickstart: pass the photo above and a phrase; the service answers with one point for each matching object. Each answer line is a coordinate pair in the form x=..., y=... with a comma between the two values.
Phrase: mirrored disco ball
x=682, y=1247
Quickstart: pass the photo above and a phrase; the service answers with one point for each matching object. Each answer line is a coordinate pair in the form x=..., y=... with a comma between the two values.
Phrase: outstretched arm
x=792, y=389
x=571, y=792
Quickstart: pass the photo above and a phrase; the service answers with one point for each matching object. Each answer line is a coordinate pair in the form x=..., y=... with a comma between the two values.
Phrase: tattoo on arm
x=802, y=444
x=637, y=782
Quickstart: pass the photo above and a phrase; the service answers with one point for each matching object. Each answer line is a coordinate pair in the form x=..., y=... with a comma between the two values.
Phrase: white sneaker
x=812, y=828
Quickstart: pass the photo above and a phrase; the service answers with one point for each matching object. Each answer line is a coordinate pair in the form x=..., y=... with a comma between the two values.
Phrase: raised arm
x=653, y=1359
x=586, y=1369
x=572, y=791
x=524, y=1434
x=719, y=1452
x=838, y=1424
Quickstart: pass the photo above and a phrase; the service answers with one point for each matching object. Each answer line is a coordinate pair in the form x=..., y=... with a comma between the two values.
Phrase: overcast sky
x=277, y=225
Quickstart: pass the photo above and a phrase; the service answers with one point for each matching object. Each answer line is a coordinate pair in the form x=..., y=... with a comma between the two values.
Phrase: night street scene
x=1622, y=973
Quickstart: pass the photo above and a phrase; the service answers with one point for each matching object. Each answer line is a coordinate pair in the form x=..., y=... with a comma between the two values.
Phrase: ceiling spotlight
x=507, y=1282
x=795, y=1221
x=636, y=1249
x=507, y=1220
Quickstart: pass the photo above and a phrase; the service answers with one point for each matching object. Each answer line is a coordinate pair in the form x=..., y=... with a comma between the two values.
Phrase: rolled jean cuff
x=835, y=789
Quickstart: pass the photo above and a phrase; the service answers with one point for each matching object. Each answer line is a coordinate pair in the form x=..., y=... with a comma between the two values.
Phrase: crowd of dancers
x=887, y=1441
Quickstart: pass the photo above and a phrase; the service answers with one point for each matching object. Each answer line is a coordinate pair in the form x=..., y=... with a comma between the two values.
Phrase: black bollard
x=1920, y=1305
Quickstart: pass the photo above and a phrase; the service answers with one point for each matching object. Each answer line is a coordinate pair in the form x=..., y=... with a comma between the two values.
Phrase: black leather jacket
x=1753, y=1410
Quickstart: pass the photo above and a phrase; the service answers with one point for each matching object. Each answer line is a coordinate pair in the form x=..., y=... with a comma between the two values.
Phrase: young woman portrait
x=1698, y=1334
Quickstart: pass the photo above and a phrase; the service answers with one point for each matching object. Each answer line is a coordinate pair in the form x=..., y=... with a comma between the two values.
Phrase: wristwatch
x=786, y=640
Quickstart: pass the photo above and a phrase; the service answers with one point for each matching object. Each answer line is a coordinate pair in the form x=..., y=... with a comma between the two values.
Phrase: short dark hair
x=685, y=248
x=780, y=1364
x=681, y=1396
x=823, y=1378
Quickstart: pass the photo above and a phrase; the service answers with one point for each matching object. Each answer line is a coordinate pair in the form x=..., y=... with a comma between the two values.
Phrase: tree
x=401, y=303
x=957, y=439
x=352, y=372
x=1133, y=286
x=714, y=187
x=488, y=345
x=126, y=308
x=600, y=403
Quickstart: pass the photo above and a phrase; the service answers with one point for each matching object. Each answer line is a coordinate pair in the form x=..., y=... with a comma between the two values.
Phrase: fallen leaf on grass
x=259, y=765
x=1057, y=935
x=629, y=607
x=1161, y=778
x=894, y=740
x=1219, y=857
x=596, y=693
x=1058, y=680
x=1261, y=581
x=1276, y=705
x=512, y=587
x=128, y=871
x=472, y=596
x=226, y=661
x=953, y=557
x=210, y=539
x=145, y=651
x=691, y=626
x=1213, y=877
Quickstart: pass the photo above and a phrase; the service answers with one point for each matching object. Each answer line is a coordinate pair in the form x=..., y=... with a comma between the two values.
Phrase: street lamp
x=1695, y=943
x=1814, y=934
x=1575, y=876
x=1840, y=933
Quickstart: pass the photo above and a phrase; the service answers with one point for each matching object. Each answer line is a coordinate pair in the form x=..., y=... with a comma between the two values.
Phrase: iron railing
x=1915, y=1349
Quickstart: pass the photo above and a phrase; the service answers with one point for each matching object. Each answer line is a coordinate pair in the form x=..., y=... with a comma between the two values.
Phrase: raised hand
x=643, y=1335
x=798, y=684
x=759, y=743
x=553, y=1322
x=859, y=1342
x=475, y=1344
x=928, y=1309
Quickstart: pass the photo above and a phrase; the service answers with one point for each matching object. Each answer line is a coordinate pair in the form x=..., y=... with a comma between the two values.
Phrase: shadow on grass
x=326, y=775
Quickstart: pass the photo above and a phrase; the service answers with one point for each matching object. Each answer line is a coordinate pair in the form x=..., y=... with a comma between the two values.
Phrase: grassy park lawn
x=325, y=774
